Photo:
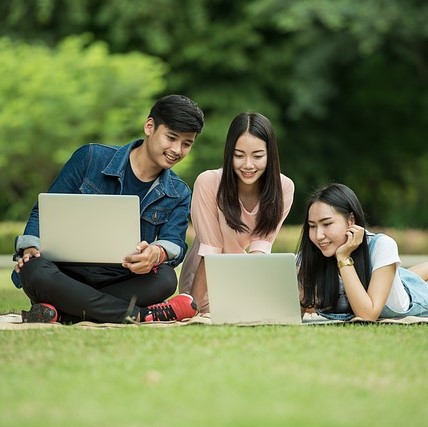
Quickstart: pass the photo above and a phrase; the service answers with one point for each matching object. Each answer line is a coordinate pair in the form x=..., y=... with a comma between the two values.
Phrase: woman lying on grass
x=369, y=285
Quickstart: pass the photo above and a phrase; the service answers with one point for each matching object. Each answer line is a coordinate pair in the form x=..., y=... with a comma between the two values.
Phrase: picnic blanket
x=13, y=321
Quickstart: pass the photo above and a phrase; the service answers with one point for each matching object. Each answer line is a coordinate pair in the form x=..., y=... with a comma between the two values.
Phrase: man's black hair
x=178, y=113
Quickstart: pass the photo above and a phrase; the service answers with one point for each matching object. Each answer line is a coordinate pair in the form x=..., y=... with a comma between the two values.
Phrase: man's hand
x=144, y=260
x=28, y=254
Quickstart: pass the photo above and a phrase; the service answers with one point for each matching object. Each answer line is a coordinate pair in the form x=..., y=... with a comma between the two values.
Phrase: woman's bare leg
x=421, y=270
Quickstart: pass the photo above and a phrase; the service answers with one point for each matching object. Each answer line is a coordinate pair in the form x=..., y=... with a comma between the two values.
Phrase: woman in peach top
x=240, y=207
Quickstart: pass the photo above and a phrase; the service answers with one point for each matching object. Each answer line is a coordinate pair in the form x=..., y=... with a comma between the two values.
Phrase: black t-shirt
x=133, y=185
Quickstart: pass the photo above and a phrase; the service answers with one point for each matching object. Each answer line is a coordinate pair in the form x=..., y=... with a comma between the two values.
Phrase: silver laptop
x=84, y=228
x=252, y=289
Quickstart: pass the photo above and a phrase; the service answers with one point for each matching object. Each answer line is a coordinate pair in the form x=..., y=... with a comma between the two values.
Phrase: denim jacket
x=100, y=169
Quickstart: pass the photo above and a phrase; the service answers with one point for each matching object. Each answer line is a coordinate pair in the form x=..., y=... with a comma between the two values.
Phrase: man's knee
x=34, y=271
x=168, y=278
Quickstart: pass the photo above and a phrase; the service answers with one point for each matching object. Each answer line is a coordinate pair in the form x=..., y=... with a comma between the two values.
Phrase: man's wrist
x=162, y=255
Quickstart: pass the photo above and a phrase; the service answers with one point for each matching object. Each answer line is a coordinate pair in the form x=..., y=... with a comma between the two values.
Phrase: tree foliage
x=55, y=100
x=344, y=82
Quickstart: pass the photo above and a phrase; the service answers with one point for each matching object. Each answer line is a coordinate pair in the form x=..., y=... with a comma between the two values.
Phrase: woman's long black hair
x=271, y=197
x=318, y=275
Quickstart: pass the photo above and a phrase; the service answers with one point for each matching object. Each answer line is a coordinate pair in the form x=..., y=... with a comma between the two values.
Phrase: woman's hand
x=355, y=235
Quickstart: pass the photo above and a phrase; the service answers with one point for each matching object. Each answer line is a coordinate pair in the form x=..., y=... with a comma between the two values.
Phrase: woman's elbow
x=369, y=315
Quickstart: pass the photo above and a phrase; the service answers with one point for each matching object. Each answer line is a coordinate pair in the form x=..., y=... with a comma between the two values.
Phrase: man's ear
x=149, y=126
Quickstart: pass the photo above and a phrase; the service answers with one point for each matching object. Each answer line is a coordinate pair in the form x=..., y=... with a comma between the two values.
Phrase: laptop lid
x=88, y=228
x=253, y=289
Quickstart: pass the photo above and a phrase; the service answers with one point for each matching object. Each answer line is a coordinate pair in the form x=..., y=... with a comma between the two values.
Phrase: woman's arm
x=368, y=304
x=204, y=212
x=199, y=289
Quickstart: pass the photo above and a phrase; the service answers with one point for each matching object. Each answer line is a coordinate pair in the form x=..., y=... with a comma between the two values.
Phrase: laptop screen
x=253, y=288
x=86, y=228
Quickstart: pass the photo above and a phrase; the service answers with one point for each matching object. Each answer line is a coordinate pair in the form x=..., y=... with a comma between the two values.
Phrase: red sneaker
x=179, y=307
x=40, y=313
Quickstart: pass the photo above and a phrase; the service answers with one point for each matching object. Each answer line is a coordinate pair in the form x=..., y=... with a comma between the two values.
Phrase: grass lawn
x=352, y=375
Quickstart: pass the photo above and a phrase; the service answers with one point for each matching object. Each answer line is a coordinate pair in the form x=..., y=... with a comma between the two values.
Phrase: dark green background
x=344, y=82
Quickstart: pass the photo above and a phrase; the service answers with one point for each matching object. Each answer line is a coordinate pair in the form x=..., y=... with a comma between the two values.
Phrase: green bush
x=55, y=100
x=8, y=232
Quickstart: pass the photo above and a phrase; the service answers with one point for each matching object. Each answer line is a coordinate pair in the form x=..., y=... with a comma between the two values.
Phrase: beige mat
x=315, y=319
x=14, y=322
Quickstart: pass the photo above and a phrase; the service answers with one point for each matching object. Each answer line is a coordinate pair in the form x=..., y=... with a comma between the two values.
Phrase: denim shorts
x=415, y=286
x=417, y=289
x=336, y=316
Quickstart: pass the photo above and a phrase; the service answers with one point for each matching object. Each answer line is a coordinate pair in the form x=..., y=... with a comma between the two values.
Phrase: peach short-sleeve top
x=213, y=235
